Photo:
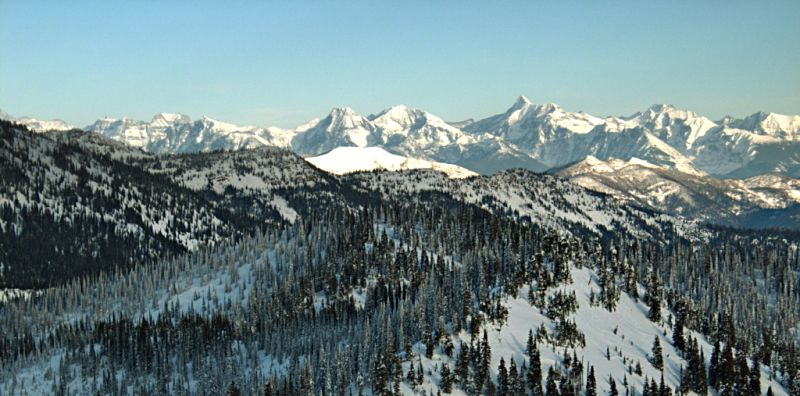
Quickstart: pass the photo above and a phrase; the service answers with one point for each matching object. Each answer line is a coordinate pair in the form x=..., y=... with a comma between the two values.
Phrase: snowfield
x=344, y=160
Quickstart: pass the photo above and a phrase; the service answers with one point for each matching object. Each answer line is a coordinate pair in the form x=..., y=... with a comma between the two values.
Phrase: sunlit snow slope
x=344, y=160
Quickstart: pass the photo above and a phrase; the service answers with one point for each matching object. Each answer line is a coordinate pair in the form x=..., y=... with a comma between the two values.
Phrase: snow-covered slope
x=693, y=195
x=232, y=282
x=626, y=333
x=541, y=199
x=255, y=180
x=80, y=196
x=353, y=159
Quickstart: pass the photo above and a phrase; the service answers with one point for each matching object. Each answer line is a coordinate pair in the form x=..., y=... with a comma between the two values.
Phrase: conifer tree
x=502, y=377
x=678, y=339
x=742, y=376
x=446, y=381
x=551, y=389
x=727, y=372
x=411, y=376
x=657, y=356
x=714, y=366
x=565, y=387
x=591, y=383
x=612, y=387
x=755, y=377
x=515, y=386
x=534, y=377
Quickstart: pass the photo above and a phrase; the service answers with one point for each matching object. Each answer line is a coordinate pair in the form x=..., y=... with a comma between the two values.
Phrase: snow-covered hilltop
x=344, y=160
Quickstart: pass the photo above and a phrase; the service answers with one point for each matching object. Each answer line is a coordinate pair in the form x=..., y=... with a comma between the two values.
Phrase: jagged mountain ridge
x=535, y=137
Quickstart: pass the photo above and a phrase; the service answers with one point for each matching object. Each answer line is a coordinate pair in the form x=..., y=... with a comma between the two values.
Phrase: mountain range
x=673, y=160
x=536, y=137
x=527, y=135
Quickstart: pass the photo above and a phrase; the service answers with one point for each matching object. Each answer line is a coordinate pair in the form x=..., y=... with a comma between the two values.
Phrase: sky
x=282, y=63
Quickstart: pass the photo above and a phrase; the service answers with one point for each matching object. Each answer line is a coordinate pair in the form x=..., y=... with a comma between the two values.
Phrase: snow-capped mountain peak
x=344, y=117
x=678, y=127
x=38, y=125
x=224, y=127
x=341, y=127
x=769, y=124
x=168, y=119
x=402, y=117
x=343, y=113
x=531, y=127
x=521, y=102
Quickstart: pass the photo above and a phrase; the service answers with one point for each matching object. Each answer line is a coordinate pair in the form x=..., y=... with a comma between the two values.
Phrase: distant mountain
x=177, y=133
x=689, y=194
x=37, y=125
x=527, y=135
x=353, y=159
x=342, y=127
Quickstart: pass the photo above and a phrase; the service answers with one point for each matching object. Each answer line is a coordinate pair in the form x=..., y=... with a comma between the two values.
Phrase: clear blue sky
x=283, y=63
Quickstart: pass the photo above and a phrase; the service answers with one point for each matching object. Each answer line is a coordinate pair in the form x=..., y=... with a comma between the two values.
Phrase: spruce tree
x=446, y=383
x=551, y=389
x=232, y=390
x=502, y=377
x=678, y=339
x=657, y=358
x=534, y=377
x=514, y=383
x=715, y=366
x=612, y=387
x=755, y=377
x=727, y=372
x=411, y=376
x=591, y=383
x=653, y=296
x=663, y=389
x=462, y=362
x=742, y=376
